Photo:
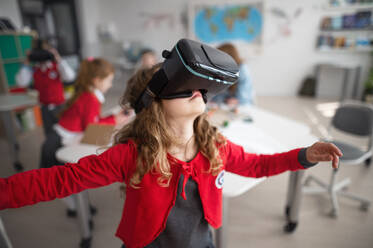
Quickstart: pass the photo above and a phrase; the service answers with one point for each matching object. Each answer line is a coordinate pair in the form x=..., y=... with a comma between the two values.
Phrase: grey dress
x=186, y=226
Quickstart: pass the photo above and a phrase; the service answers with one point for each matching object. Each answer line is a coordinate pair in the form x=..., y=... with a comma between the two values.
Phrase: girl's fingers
x=335, y=149
x=335, y=161
x=329, y=157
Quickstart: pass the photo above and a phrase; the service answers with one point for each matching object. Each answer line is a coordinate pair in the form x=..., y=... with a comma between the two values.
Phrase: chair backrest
x=355, y=119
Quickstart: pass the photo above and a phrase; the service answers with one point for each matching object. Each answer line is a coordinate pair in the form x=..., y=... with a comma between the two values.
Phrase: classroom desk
x=245, y=134
x=268, y=133
x=289, y=134
x=9, y=102
x=71, y=154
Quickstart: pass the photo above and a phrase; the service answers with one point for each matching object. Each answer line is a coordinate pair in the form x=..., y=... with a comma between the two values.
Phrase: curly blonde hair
x=152, y=136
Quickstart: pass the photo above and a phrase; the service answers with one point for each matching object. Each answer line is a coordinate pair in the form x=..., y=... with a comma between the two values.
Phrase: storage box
x=98, y=134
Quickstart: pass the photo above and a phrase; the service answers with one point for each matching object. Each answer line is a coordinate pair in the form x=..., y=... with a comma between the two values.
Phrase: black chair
x=353, y=119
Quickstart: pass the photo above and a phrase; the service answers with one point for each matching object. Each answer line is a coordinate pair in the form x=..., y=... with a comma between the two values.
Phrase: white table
x=9, y=102
x=72, y=153
x=268, y=133
x=290, y=134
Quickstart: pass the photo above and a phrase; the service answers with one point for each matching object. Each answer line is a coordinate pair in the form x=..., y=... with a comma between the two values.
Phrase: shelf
x=12, y=60
x=11, y=32
x=349, y=7
x=369, y=29
x=360, y=49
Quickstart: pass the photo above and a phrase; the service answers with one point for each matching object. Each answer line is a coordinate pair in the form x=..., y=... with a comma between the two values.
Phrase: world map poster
x=224, y=23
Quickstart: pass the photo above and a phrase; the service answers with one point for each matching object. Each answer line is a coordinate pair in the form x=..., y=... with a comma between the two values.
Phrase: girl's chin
x=198, y=110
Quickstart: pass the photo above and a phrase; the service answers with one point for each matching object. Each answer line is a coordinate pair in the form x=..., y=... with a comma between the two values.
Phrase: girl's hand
x=322, y=151
x=55, y=54
x=123, y=117
x=232, y=101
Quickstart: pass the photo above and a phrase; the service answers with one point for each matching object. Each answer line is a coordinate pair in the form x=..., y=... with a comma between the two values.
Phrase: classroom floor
x=256, y=218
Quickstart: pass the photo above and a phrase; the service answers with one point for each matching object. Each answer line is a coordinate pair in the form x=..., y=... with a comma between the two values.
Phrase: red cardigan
x=146, y=209
x=85, y=110
x=49, y=85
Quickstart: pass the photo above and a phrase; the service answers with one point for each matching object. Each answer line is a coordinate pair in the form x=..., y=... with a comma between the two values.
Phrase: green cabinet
x=13, y=48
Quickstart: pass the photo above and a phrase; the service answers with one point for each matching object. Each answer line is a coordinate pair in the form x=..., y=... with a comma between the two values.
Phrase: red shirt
x=85, y=110
x=146, y=209
x=48, y=82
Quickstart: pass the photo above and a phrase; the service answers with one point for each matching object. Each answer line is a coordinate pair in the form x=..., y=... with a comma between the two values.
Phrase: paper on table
x=112, y=111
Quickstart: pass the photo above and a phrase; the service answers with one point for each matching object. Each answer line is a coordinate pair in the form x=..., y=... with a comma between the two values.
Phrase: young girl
x=94, y=79
x=48, y=73
x=172, y=161
x=148, y=58
x=241, y=92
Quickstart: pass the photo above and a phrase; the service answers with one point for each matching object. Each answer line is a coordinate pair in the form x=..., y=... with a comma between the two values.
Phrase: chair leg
x=334, y=190
x=333, y=195
x=314, y=190
x=316, y=180
x=321, y=188
x=342, y=184
x=335, y=205
x=365, y=204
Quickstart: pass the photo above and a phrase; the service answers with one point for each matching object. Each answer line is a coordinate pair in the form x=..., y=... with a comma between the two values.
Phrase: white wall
x=9, y=9
x=126, y=16
x=277, y=70
x=282, y=65
x=88, y=19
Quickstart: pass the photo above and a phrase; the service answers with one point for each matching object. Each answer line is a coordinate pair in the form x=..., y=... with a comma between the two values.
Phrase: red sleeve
x=107, y=120
x=47, y=184
x=254, y=165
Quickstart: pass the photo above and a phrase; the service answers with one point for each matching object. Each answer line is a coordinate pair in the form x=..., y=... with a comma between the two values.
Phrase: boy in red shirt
x=48, y=73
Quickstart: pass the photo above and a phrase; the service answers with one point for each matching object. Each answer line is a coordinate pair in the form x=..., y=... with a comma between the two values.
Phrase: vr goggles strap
x=155, y=86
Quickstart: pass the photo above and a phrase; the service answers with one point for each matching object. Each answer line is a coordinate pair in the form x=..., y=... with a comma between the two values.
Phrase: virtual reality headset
x=190, y=66
x=40, y=55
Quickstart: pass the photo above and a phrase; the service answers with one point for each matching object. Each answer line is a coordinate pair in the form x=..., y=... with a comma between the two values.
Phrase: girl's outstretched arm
x=258, y=165
x=47, y=184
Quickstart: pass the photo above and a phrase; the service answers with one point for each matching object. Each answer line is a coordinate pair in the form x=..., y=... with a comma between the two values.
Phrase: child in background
x=242, y=92
x=148, y=59
x=83, y=108
x=172, y=161
x=48, y=72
